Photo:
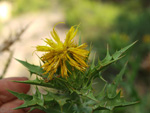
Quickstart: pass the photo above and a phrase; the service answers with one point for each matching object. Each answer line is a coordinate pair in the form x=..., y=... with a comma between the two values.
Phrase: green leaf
x=37, y=99
x=111, y=88
x=95, y=72
x=102, y=94
x=118, y=78
x=117, y=54
x=21, y=96
x=29, y=101
x=82, y=109
x=87, y=92
x=59, y=98
x=112, y=103
x=108, y=98
x=37, y=82
x=33, y=69
x=108, y=58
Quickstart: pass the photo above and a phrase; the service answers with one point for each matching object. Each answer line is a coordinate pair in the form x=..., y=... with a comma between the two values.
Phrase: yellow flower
x=58, y=54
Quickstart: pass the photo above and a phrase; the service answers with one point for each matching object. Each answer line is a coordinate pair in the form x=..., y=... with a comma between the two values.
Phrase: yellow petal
x=80, y=60
x=55, y=36
x=79, y=52
x=82, y=46
x=74, y=63
x=43, y=48
x=51, y=65
x=63, y=69
x=51, y=74
x=51, y=43
x=70, y=35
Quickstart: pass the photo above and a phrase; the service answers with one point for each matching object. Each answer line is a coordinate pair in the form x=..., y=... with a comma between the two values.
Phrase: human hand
x=8, y=101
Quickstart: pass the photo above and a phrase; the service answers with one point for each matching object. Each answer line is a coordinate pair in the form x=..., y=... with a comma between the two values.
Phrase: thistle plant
x=67, y=77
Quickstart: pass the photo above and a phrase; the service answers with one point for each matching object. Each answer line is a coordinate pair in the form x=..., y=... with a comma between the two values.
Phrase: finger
x=9, y=107
x=7, y=83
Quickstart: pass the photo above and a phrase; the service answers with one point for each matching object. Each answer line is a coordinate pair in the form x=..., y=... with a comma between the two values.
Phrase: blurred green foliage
x=26, y=6
x=95, y=18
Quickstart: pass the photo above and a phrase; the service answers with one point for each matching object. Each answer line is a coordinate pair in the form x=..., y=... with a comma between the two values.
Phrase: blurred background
x=24, y=23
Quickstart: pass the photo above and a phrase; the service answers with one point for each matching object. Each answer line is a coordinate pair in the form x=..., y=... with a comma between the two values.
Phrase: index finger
x=7, y=83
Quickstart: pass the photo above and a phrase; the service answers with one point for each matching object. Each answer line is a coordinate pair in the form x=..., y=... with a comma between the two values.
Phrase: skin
x=8, y=101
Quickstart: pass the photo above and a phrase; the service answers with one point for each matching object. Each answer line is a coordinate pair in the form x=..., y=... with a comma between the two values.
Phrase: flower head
x=59, y=55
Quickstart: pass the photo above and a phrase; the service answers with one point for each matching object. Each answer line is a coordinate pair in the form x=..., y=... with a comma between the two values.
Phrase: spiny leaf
x=108, y=97
x=37, y=100
x=59, y=98
x=28, y=99
x=39, y=97
x=21, y=96
x=82, y=109
x=114, y=102
x=33, y=69
x=118, y=78
x=111, y=88
x=86, y=92
x=107, y=58
x=99, y=67
x=91, y=96
x=117, y=54
x=102, y=93
x=37, y=82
